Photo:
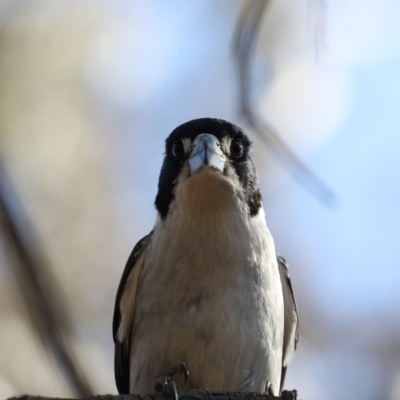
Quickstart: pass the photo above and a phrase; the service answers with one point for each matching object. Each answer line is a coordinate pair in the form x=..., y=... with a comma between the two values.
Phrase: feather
x=123, y=314
x=291, y=327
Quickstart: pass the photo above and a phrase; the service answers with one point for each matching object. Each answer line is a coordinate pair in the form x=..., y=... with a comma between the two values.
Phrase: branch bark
x=193, y=394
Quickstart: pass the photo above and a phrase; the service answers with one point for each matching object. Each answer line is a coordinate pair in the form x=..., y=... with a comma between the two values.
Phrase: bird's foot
x=165, y=383
x=289, y=394
x=268, y=389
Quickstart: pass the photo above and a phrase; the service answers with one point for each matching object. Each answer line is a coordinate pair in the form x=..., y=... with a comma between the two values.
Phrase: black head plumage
x=172, y=166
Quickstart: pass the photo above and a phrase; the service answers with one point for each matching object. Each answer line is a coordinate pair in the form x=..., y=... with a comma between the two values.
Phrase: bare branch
x=317, y=14
x=38, y=288
x=245, y=38
x=183, y=395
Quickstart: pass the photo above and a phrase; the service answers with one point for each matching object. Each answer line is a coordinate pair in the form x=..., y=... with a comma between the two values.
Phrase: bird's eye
x=177, y=150
x=237, y=148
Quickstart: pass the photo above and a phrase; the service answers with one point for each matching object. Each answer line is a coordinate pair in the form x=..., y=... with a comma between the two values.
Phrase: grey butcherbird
x=206, y=287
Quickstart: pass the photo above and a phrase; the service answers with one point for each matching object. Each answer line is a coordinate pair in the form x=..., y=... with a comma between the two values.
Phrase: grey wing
x=291, y=327
x=124, y=313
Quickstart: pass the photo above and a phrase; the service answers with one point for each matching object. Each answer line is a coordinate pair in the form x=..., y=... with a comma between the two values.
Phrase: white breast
x=209, y=295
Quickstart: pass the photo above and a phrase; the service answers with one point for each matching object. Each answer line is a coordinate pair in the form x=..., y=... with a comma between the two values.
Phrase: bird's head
x=207, y=163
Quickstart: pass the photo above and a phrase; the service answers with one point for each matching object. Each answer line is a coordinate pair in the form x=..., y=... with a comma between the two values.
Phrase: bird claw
x=165, y=383
x=289, y=394
x=180, y=369
x=268, y=389
x=160, y=385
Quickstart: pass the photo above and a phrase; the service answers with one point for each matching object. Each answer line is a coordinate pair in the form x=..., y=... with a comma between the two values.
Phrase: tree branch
x=193, y=394
x=38, y=288
x=244, y=43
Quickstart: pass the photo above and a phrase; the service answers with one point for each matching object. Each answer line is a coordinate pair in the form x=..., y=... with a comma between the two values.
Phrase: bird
x=205, y=292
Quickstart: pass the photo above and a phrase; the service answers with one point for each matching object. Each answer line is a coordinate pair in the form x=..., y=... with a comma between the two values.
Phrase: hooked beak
x=206, y=152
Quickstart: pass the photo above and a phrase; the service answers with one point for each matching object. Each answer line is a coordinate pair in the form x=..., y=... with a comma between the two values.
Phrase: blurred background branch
x=245, y=40
x=38, y=287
